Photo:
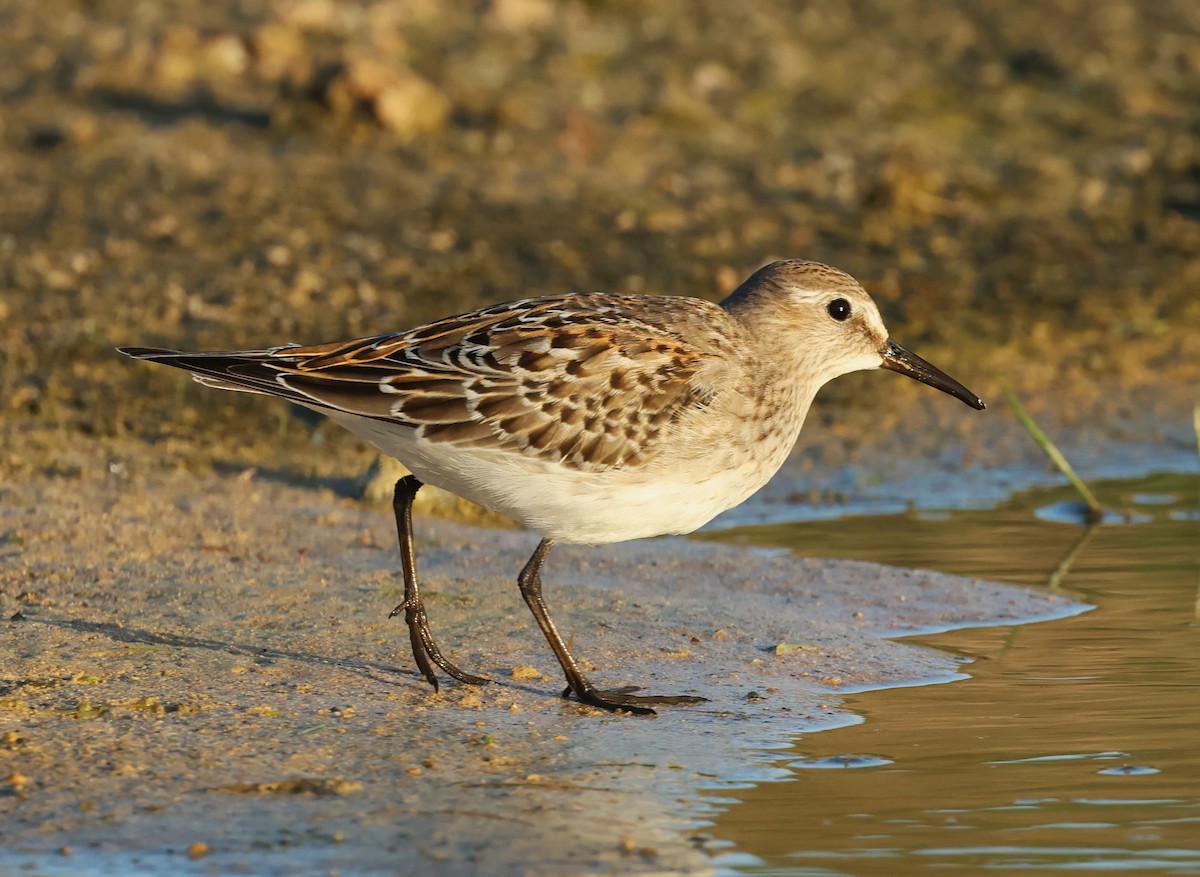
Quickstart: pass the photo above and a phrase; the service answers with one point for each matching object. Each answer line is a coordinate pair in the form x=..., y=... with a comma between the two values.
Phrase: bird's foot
x=425, y=650
x=621, y=699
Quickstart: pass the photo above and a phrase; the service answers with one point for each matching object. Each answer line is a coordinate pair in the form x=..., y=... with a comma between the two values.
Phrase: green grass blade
x=1064, y=565
x=1095, y=510
x=1196, y=424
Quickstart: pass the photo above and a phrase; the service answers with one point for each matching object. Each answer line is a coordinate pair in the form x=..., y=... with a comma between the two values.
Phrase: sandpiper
x=588, y=418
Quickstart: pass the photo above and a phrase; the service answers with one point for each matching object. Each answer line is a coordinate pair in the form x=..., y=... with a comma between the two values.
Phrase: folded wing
x=590, y=381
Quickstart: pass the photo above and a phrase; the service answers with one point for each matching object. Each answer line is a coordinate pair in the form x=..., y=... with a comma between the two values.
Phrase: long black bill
x=908, y=363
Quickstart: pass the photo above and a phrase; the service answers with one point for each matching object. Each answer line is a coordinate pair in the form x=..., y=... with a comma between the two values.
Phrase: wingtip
x=144, y=352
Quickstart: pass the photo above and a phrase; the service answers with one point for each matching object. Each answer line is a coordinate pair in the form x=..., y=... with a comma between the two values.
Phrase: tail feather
x=266, y=373
x=239, y=371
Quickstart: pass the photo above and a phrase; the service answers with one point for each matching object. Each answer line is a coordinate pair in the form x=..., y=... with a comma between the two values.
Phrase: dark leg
x=424, y=649
x=530, y=581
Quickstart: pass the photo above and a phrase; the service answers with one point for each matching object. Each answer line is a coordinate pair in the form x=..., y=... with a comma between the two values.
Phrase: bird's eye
x=839, y=309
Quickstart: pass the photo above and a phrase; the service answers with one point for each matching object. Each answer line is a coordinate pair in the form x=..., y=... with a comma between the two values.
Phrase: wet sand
x=207, y=660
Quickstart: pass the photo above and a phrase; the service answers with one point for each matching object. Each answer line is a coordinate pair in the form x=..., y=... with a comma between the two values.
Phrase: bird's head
x=830, y=324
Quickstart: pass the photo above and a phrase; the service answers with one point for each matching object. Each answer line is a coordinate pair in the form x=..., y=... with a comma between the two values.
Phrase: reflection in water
x=1073, y=746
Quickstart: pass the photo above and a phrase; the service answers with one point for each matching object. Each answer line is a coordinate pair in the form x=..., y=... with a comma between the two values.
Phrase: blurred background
x=1018, y=185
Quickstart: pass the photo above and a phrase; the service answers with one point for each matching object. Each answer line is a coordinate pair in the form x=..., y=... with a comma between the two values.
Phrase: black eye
x=839, y=309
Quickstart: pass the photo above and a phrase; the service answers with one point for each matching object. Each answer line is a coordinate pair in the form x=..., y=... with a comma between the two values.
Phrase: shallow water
x=1074, y=745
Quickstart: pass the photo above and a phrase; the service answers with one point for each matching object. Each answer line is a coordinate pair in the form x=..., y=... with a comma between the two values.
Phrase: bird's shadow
x=121, y=633
x=376, y=671
x=347, y=488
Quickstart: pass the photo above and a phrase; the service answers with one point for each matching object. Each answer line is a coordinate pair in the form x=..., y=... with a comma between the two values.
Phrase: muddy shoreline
x=208, y=661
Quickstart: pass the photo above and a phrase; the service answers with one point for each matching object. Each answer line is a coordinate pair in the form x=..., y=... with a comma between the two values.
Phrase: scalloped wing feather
x=589, y=381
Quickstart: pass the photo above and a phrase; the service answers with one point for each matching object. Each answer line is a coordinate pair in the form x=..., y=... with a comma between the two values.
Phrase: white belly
x=565, y=504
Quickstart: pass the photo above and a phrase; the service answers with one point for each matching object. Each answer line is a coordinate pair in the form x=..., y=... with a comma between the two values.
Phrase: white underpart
x=564, y=504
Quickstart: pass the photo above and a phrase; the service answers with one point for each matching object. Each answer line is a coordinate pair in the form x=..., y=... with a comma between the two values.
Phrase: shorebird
x=588, y=418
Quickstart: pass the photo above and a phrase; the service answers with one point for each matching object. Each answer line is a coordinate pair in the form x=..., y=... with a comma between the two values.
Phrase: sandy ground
x=208, y=661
